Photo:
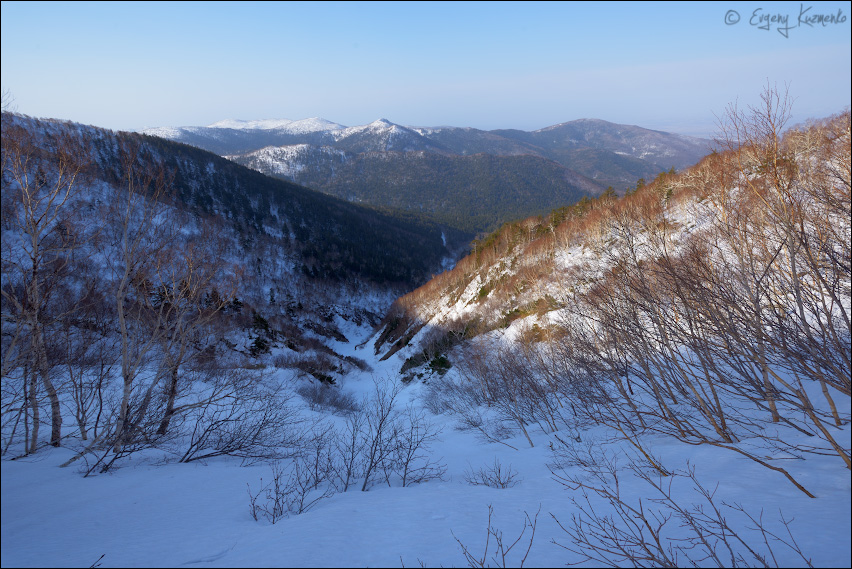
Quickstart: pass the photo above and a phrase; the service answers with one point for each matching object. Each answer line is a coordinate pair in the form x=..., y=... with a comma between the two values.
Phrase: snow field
x=156, y=515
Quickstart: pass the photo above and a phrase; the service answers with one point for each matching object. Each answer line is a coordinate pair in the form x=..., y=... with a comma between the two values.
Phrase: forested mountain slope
x=534, y=266
x=470, y=193
x=704, y=307
x=342, y=240
x=471, y=179
x=133, y=253
x=651, y=151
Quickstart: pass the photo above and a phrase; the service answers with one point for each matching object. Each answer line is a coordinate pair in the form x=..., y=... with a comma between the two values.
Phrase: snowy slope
x=289, y=161
x=154, y=512
x=150, y=515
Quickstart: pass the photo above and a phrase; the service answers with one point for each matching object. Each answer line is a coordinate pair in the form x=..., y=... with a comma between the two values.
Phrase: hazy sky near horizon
x=668, y=66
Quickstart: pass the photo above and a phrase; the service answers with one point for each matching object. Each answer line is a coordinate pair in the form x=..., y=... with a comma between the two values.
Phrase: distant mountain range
x=470, y=179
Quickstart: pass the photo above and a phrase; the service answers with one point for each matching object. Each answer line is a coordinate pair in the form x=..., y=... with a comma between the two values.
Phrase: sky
x=667, y=66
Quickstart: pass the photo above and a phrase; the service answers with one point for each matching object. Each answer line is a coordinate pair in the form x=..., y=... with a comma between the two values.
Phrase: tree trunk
x=170, y=404
x=43, y=369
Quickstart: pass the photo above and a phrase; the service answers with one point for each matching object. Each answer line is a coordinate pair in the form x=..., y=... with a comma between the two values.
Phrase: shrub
x=324, y=396
x=494, y=476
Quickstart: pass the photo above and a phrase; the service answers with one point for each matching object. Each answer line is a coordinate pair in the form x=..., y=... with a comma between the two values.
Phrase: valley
x=425, y=284
x=206, y=365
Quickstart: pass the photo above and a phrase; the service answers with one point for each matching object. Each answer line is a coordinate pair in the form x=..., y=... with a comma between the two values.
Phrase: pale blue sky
x=670, y=66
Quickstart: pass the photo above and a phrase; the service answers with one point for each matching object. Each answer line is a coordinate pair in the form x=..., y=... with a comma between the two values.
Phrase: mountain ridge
x=561, y=163
x=689, y=149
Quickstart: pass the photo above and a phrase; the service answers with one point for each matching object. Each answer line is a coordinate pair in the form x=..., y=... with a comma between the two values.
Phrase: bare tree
x=350, y=443
x=239, y=414
x=381, y=429
x=291, y=491
x=802, y=181
x=494, y=476
x=187, y=279
x=41, y=174
x=708, y=337
x=642, y=532
x=88, y=351
x=411, y=460
x=516, y=380
x=7, y=102
x=159, y=280
x=500, y=549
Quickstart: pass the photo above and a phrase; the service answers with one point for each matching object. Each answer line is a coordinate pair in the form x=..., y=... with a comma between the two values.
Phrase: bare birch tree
x=41, y=174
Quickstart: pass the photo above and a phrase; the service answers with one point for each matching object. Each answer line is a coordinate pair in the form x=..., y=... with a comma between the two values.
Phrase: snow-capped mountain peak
x=301, y=126
x=314, y=124
x=262, y=124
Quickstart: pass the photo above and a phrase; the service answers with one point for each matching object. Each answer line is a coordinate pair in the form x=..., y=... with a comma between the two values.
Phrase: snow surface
x=302, y=126
x=378, y=126
x=282, y=126
x=168, y=132
x=262, y=124
x=315, y=124
x=287, y=160
x=170, y=515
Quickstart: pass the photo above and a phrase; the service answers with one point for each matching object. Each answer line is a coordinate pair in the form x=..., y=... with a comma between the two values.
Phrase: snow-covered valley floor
x=170, y=515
